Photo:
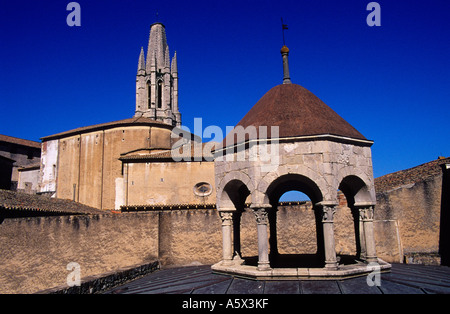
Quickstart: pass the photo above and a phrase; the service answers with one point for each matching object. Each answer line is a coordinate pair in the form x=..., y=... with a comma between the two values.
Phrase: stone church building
x=129, y=162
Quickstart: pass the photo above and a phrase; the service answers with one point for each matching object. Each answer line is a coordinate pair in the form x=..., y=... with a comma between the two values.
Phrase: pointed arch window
x=159, y=101
x=149, y=94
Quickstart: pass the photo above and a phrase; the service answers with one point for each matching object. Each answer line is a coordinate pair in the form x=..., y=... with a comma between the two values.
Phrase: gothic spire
x=174, y=66
x=157, y=44
x=156, y=82
x=167, y=58
x=141, y=62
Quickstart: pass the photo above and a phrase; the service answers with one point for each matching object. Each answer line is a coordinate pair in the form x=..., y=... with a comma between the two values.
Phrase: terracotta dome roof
x=297, y=112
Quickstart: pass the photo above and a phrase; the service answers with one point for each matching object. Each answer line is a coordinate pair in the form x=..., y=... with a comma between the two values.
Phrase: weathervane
x=283, y=27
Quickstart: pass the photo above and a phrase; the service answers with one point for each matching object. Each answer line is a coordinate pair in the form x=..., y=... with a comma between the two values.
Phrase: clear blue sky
x=391, y=82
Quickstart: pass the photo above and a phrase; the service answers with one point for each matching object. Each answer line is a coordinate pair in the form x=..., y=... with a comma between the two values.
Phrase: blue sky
x=391, y=82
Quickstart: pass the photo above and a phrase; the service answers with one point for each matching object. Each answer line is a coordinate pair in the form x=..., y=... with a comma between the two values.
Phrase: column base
x=331, y=265
x=371, y=259
x=325, y=273
x=263, y=266
x=227, y=262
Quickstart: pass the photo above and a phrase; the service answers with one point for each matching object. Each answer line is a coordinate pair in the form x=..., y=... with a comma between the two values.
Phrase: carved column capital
x=227, y=218
x=328, y=213
x=366, y=213
x=261, y=215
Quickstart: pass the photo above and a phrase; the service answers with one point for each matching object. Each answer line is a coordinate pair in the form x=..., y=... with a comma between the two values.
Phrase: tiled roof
x=132, y=208
x=297, y=112
x=18, y=202
x=19, y=141
x=411, y=175
x=187, y=155
x=34, y=166
x=108, y=125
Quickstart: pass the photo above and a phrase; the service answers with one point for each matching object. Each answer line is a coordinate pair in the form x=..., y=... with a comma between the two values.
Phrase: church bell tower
x=157, y=80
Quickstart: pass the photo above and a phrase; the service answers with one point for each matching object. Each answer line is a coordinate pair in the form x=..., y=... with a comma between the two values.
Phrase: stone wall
x=410, y=214
x=189, y=236
x=167, y=182
x=36, y=251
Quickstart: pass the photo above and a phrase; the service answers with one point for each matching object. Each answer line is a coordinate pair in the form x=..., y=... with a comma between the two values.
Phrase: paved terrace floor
x=403, y=279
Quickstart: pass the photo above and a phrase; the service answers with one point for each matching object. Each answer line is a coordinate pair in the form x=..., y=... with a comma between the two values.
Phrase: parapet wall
x=36, y=250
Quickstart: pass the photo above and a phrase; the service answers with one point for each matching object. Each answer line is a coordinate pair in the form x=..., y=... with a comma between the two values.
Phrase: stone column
x=362, y=239
x=359, y=233
x=328, y=236
x=366, y=214
x=227, y=247
x=263, y=243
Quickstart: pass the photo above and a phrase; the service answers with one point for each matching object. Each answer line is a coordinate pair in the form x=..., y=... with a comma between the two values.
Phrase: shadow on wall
x=444, y=235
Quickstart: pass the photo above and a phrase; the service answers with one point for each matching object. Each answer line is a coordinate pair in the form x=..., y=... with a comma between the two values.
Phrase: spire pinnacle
x=141, y=62
x=174, y=66
x=167, y=58
x=285, y=54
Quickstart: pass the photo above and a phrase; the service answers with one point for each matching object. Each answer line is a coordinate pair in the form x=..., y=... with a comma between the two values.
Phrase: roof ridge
x=111, y=124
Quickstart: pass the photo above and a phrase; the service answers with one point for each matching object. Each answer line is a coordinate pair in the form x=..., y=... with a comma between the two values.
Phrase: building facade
x=128, y=162
x=16, y=153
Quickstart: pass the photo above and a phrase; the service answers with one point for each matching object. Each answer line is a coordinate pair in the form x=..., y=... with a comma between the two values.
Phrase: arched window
x=159, y=94
x=149, y=95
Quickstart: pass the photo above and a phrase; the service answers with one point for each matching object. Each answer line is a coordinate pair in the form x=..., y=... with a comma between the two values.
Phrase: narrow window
x=159, y=94
x=149, y=95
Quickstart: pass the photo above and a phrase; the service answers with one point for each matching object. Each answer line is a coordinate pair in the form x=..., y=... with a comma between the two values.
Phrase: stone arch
x=355, y=190
x=274, y=185
x=299, y=178
x=357, y=186
x=293, y=181
x=357, y=193
x=232, y=191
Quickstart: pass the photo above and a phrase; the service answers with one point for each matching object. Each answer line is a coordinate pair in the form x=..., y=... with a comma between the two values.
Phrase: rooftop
x=297, y=112
x=109, y=125
x=403, y=279
x=411, y=175
x=19, y=141
x=194, y=151
x=17, y=204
